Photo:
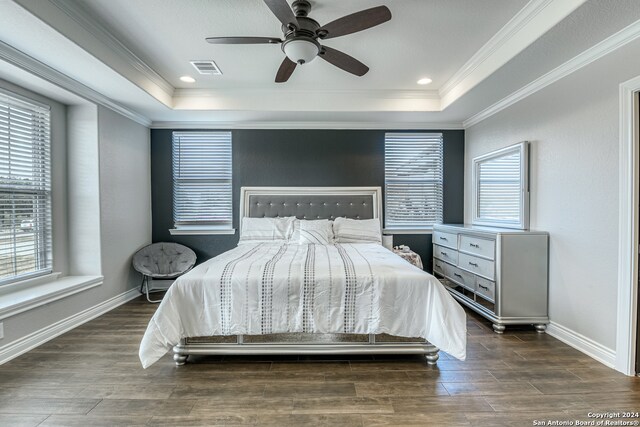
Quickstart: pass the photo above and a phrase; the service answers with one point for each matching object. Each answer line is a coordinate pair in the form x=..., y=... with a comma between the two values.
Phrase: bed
x=275, y=295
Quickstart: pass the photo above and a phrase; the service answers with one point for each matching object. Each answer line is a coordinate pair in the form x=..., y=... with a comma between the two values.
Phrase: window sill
x=407, y=231
x=200, y=231
x=29, y=294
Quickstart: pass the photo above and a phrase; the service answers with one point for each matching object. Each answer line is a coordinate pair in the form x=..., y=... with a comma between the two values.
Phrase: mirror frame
x=523, y=149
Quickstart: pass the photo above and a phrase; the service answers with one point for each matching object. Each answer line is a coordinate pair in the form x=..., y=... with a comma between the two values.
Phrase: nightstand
x=409, y=256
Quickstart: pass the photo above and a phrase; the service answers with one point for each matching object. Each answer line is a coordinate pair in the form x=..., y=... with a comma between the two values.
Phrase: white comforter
x=273, y=288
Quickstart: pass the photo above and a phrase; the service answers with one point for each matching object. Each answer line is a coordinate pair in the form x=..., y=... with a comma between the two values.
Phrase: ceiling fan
x=302, y=36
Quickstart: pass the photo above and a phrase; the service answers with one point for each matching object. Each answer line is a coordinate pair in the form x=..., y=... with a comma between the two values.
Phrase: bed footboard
x=297, y=343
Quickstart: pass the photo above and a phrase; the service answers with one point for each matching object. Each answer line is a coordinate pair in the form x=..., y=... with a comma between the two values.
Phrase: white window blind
x=25, y=189
x=202, y=170
x=413, y=165
x=499, y=188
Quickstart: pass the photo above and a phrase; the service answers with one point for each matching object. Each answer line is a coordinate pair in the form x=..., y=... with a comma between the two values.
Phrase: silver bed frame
x=307, y=203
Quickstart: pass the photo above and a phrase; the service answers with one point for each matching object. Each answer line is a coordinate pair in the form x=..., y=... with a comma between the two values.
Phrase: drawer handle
x=438, y=265
x=457, y=275
x=444, y=253
x=483, y=287
x=443, y=238
x=473, y=264
x=474, y=245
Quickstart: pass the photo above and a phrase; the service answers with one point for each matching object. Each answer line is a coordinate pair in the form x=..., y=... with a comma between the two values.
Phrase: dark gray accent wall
x=301, y=158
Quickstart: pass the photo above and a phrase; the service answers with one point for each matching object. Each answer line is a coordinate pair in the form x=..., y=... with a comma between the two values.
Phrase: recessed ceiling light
x=188, y=79
x=424, y=81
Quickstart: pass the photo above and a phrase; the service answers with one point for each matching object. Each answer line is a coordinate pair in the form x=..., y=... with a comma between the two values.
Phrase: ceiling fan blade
x=285, y=70
x=343, y=61
x=243, y=40
x=355, y=22
x=283, y=12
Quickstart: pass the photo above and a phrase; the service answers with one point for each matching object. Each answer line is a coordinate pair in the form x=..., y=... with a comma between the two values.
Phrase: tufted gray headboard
x=311, y=202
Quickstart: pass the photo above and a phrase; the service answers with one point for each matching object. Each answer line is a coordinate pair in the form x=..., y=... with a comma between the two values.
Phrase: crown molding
x=531, y=22
x=608, y=45
x=25, y=62
x=499, y=39
x=308, y=125
x=73, y=21
x=77, y=12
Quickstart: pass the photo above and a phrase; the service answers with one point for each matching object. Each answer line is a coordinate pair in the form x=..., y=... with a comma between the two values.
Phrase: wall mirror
x=501, y=188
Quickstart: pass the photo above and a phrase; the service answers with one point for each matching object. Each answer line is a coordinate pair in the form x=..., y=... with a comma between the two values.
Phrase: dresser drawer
x=486, y=289
x=445, y=254
x=449, y=240
x=438, y=266
x=459, y=276
x=474, y=245
x=482, y=267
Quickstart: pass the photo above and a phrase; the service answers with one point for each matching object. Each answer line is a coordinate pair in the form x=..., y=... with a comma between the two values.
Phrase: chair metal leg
x=145, y=282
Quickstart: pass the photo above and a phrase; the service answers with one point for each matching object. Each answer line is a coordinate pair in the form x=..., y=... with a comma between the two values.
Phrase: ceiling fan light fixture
x=301, y=50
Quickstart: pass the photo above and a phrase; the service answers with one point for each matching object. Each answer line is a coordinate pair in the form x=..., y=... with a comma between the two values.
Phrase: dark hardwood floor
x=91, y=376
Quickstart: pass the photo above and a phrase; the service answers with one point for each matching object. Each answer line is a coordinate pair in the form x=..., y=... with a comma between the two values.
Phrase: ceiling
x=424, y=38
x=131, y=54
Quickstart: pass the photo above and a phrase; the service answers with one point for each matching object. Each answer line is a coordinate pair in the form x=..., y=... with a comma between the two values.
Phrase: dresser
x=502, y=274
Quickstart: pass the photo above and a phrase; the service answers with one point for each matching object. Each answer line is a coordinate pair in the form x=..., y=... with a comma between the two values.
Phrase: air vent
x=206, y=67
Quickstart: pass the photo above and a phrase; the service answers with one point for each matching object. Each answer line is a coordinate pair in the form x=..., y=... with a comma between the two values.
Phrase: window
x=25, y=189
x=202, y=191
x=501, y=188
x=413, y=165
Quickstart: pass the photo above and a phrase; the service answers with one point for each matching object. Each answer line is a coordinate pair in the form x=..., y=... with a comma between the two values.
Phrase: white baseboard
x=33, y=340
x=586, y=345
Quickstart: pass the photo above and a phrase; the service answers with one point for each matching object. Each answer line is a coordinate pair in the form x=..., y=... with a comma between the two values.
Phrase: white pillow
x=318, y=232
x=295, y=237
x=357, y=230
x=266, y=229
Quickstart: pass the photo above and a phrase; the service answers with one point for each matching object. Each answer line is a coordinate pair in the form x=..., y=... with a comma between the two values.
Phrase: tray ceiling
x=133, y=52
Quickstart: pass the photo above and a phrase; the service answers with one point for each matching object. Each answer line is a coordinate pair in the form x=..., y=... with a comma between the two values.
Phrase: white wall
x=83, y=190
x=573, y=127
x=120, y=207
x=125, y=197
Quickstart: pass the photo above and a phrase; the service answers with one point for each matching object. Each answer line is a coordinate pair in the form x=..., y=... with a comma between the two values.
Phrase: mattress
x=270, y=288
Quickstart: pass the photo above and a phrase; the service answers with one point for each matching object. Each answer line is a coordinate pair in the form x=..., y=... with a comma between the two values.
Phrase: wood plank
x=354, y=405
x=142, y=407
x=440, y=420
x=31, y=406
x=86, y=421
x=490, y=389
x=452, y=376
x=219, y=391
x=403, y=388
x=248, y=406
x=580, y=387
x=440, y=404
x=540, y=403
x=324, y=367
x=14, y=420
x=533, y=375
x=298, y=390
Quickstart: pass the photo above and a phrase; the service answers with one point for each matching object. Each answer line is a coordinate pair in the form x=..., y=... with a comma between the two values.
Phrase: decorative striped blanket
x=277, y=288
